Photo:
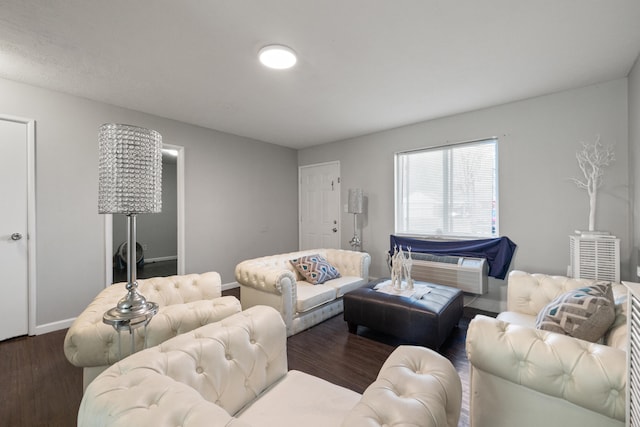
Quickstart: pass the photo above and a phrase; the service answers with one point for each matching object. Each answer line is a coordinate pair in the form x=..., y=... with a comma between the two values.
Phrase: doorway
x=160, y=237
x=319, y=206
x=17, y=222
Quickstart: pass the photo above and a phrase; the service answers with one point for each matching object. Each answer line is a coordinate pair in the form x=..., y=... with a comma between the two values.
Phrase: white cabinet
x=595, y=258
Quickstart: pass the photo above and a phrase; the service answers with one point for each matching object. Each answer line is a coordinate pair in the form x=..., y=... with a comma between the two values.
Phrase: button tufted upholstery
x=234, y=373
x=185, y=302
x=528, y=377
x=413, y=388
x=273, y=281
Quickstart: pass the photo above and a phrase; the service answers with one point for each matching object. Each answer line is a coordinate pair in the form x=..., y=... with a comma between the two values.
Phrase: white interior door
x=14, y=232
x=319, y=199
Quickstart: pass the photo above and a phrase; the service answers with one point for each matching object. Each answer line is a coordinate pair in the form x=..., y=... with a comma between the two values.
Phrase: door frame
x=108, y=221
x=31, y=217
x=339, y=213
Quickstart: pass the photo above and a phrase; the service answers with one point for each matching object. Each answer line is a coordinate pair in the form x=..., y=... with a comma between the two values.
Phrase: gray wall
x=240, y=196
x=539, y=206
x=634, y=161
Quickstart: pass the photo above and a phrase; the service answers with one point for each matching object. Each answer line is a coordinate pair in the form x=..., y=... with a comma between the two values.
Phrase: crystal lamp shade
x=130, y=170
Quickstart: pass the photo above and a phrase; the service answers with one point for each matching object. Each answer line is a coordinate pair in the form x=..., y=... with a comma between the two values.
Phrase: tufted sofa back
x=183, y=289
x=186, y=302
x=529, y=293
x=194, y=378
x=258, y=271
x=276, y=263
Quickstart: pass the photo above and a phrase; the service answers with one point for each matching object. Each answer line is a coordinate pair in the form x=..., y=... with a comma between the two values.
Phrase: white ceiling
x=364, y=65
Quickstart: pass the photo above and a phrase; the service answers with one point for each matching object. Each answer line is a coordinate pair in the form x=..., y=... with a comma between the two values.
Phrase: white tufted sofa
x=273, y=281
x=528, y=377
x=234, y=373
x=185, y=303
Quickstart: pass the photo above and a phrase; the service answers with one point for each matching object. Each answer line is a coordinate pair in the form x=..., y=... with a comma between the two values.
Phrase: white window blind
x=448, y=191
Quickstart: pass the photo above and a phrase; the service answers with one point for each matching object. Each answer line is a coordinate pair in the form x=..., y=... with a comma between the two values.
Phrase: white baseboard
x=231, y=285
x=160, y=258
x=53, y=326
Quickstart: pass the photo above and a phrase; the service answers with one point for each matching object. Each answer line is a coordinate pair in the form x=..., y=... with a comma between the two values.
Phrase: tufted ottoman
x=427, y=321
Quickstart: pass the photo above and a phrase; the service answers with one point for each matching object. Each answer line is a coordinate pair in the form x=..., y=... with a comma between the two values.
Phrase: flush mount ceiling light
x=277, y=56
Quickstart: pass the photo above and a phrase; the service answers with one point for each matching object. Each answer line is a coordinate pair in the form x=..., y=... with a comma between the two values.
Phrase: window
x=448, y=191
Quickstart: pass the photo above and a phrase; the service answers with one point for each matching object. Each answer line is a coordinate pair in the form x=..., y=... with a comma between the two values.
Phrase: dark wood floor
x=41, y=388
x=329, y=351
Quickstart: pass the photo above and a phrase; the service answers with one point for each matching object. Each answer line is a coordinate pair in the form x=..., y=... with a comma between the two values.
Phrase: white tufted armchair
x=185, y=303
x=234, y=373
x=524, y=377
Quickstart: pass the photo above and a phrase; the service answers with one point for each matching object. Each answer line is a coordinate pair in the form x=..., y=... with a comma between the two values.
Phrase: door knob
x=335, y=230
x=16, y=236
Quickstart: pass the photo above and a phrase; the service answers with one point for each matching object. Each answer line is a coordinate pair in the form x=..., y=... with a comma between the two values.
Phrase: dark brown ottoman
x=427, y=321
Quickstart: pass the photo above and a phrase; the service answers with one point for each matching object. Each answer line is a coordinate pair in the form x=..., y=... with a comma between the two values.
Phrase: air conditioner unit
x=465, y=273
x=595, y=258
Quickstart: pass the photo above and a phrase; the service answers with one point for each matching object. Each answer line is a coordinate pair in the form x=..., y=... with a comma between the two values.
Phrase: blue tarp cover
x=498, y=252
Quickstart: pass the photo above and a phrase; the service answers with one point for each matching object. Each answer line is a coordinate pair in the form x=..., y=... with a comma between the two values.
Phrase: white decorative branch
x=401, y=263
x=592, y=160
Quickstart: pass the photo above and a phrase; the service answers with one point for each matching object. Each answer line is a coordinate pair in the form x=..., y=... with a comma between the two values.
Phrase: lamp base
x=355, y=241
x=131, y=312
x=133, y=302
x=128, y=321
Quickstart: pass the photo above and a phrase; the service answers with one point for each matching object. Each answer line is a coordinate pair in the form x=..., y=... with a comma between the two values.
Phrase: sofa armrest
x=589, y=375
x=167, y=399
x=265, y=277
x=180, y=318
x=415, y=386
x=350, y=263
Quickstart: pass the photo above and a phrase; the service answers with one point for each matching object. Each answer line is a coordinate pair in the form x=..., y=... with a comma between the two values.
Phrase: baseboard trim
x=231, y=285
x=160, y=259
x=54, y=326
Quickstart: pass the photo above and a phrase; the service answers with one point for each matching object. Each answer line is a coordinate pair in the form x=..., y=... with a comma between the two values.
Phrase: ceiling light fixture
x=277, y=56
